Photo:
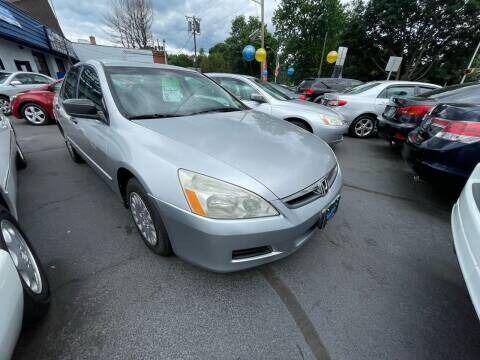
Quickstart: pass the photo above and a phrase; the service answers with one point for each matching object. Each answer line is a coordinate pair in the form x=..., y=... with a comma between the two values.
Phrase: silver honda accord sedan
x=205, y=177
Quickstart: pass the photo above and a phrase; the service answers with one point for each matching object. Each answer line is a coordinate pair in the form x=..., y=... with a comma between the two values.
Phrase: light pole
x=262, y=33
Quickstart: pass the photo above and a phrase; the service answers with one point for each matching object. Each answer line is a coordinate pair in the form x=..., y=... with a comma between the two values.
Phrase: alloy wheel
x=4, y=105
x=143, y=219
x=35, y=115
x=363, y=127
x=22, y=256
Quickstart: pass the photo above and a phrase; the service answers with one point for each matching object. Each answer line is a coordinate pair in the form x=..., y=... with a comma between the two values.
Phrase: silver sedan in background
x=362, y=105
x=262, y=96
x=466, y=235
x=220, y=185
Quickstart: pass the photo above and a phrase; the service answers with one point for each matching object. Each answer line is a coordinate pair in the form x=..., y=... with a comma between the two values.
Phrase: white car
x=24, y=289
x=466, y=235
x=362, y=105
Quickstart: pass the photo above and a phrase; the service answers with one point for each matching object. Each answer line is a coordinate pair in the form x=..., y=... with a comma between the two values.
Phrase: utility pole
x=323, y=54
x=165, y=52
x=471, y=62
x=194, y=27
x=262, y=35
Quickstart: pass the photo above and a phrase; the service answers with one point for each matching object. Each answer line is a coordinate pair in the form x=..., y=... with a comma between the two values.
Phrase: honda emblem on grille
x=321, y=188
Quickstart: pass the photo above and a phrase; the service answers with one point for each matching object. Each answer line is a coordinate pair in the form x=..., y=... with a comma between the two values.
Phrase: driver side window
x=240, y=89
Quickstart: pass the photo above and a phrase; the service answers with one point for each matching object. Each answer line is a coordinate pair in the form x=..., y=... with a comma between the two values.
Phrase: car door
x=94, y=134
x=393, y=90
x=68, y=91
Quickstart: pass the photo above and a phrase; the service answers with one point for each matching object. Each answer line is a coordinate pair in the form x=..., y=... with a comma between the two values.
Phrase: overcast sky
x=82, y=18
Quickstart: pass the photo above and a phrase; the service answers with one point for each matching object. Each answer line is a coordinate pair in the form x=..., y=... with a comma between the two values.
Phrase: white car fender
x=11, y=306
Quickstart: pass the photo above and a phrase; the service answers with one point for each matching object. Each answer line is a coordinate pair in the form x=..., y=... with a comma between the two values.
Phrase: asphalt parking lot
x=380, y=282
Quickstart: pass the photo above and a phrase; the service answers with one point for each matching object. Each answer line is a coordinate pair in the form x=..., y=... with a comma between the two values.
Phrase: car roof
x=401, y=82
x=238, y=76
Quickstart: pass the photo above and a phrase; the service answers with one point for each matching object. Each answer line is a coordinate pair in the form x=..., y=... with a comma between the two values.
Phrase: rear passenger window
x=400, y=91
x=89, y=87
x=69, y=90
x=424, y=89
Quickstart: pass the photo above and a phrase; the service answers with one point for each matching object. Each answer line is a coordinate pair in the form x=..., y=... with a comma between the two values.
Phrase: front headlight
x=332, y=120
x=217, y=199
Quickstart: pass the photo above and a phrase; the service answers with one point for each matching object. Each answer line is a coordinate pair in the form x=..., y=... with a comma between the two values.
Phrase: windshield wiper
x=225, y=109
x=152, y=116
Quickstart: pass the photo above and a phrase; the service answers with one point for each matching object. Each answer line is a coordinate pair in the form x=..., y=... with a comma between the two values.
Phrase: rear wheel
x=363, y=126
x=35, y=114
x=35, y=285
x=147, y=219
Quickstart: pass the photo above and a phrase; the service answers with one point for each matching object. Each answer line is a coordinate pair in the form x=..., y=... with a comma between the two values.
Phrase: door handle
x=72, y=119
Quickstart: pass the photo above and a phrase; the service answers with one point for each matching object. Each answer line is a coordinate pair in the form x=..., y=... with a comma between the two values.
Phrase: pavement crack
x=296, y=311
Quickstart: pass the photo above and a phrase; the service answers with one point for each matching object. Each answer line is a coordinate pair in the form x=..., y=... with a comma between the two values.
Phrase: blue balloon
x=248, y=53
x=290, y=71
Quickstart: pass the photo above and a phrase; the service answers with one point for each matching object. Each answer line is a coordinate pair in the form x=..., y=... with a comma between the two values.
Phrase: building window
x=23, y=65
x=60, y=65
x=41, y=63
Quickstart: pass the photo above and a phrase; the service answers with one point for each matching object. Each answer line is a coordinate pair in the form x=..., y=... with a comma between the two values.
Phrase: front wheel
x=362, y=127
x=35, y=114
x=35, y=285
x=73, y=153
x=147, y=219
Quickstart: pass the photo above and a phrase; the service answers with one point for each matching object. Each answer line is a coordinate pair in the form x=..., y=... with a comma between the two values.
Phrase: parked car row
x=24, y=288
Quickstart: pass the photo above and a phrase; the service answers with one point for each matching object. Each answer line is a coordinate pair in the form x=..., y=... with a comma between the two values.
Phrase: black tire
x=20, y=161
x=355, y=131
x=301, y=124
x=39, y=108
x=76, y=158
x=35, y=306
x=162, y=246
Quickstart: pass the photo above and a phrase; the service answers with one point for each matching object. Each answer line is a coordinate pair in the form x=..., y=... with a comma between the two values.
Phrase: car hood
x=302, y=105
x=281, y=156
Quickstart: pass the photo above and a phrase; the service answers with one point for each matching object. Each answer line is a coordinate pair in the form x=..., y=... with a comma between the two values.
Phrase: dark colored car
x=35, y=106
x=402, y=115
x=447, y=142
x=313, y=89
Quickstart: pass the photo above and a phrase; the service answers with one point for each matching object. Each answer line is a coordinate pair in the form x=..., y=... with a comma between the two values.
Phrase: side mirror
x=82, y=108
x=257, y=97
x=15, y=83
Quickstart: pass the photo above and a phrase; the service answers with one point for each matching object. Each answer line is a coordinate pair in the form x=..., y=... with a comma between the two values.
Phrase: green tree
x=182, y=60
x=300, y=27
x=244, y=32
x=434, y=37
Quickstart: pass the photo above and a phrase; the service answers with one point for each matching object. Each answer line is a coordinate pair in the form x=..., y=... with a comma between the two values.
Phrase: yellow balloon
x=260, y=55
x=332, y=57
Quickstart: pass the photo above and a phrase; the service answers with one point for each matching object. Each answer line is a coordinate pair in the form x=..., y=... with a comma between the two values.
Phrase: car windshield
x=3, y=77
x=288, y=93
x=149, y=92
x=361, y=88
x=270, y=90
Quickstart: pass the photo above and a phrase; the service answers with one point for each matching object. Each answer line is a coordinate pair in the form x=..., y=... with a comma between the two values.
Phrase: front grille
x=302, y=199
x=252, y=252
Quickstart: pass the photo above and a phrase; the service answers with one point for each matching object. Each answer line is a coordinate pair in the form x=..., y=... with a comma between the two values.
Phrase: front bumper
x=211, y=243
x=394, y=131
x=331, y=134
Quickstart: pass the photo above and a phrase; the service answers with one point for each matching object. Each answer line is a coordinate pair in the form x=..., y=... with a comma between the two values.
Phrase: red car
x=35, y=105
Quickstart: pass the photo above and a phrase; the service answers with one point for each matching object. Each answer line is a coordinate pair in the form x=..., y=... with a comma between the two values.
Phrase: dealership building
x=31, y=39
